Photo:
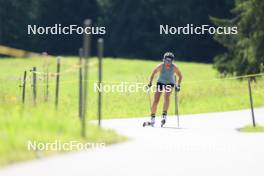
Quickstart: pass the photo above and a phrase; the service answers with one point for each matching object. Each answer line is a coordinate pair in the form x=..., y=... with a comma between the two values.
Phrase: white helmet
x=168, y=57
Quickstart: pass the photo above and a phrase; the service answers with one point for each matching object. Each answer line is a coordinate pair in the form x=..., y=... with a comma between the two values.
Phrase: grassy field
x=18, y=127
x=41, y=123
x=200, y=92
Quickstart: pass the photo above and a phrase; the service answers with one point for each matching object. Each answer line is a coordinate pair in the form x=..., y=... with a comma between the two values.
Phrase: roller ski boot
x=149, y=123
x=163, y=120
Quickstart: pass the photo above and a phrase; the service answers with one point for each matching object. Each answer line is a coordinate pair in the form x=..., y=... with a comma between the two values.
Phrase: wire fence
x=199, y=89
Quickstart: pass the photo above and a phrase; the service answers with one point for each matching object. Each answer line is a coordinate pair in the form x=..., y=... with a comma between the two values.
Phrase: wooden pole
x=80, y=83
x=87, y=53
x=47, y=86
x=24, y=87
x=57, y=83
x=34, y=70
x=100, y=49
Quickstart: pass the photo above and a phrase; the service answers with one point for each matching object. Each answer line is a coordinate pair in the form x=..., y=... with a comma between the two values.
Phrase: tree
x=14, y=17
x=133, y=27
x=245, y=54
x=65, y=12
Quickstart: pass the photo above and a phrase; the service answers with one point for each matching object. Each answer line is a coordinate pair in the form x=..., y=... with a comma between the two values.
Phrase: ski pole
x=177, y=108
x=177, y=105
x=149, y=96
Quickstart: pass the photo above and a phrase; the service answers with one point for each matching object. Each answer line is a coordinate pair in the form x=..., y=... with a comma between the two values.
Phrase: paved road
x=206, y=144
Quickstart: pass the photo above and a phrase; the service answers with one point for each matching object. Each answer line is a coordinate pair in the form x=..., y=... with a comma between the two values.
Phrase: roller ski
x=149, y=123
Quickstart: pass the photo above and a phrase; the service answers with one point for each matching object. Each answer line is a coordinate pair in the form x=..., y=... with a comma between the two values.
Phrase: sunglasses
x=168, y=60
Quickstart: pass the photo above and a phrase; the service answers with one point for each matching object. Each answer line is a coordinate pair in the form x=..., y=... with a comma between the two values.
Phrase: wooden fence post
x=57, y=83
x=87, y=53
x=100, y=49
x=24, y=87
x=34, y=70
x=80, y=83
x=47, y=86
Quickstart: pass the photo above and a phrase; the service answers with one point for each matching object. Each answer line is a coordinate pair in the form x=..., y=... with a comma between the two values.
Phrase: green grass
x=197, y=94
x=18, y=123
x=251, y=128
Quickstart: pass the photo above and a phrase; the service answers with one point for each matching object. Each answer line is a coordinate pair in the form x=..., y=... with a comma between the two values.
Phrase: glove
x=177, y=88
x=150, y=85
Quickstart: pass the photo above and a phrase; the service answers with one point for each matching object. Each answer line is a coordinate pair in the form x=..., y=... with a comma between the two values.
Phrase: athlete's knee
x=167, y=98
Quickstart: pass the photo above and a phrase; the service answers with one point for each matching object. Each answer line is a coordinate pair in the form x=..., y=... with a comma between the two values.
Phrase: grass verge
x=251, y=128
x=42, y=124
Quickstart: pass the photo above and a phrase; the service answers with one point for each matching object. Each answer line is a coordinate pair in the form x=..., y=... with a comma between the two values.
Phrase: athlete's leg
x=166, y=104
x=155, y=102
x=154, y=105
x=153, y=109
x=167, y=94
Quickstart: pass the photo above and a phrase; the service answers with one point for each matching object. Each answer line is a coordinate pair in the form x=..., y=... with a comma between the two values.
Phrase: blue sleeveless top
x=167, y=75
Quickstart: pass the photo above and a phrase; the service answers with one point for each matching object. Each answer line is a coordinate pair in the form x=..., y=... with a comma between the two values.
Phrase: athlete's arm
x=178, y=73
x=154, y=72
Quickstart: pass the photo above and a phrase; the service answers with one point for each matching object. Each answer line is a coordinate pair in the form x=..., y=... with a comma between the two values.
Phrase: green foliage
x=245, y=50
x=15, y=15
x=132, y=26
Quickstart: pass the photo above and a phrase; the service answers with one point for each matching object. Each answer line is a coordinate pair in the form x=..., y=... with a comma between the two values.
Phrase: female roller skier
x=165, y=83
